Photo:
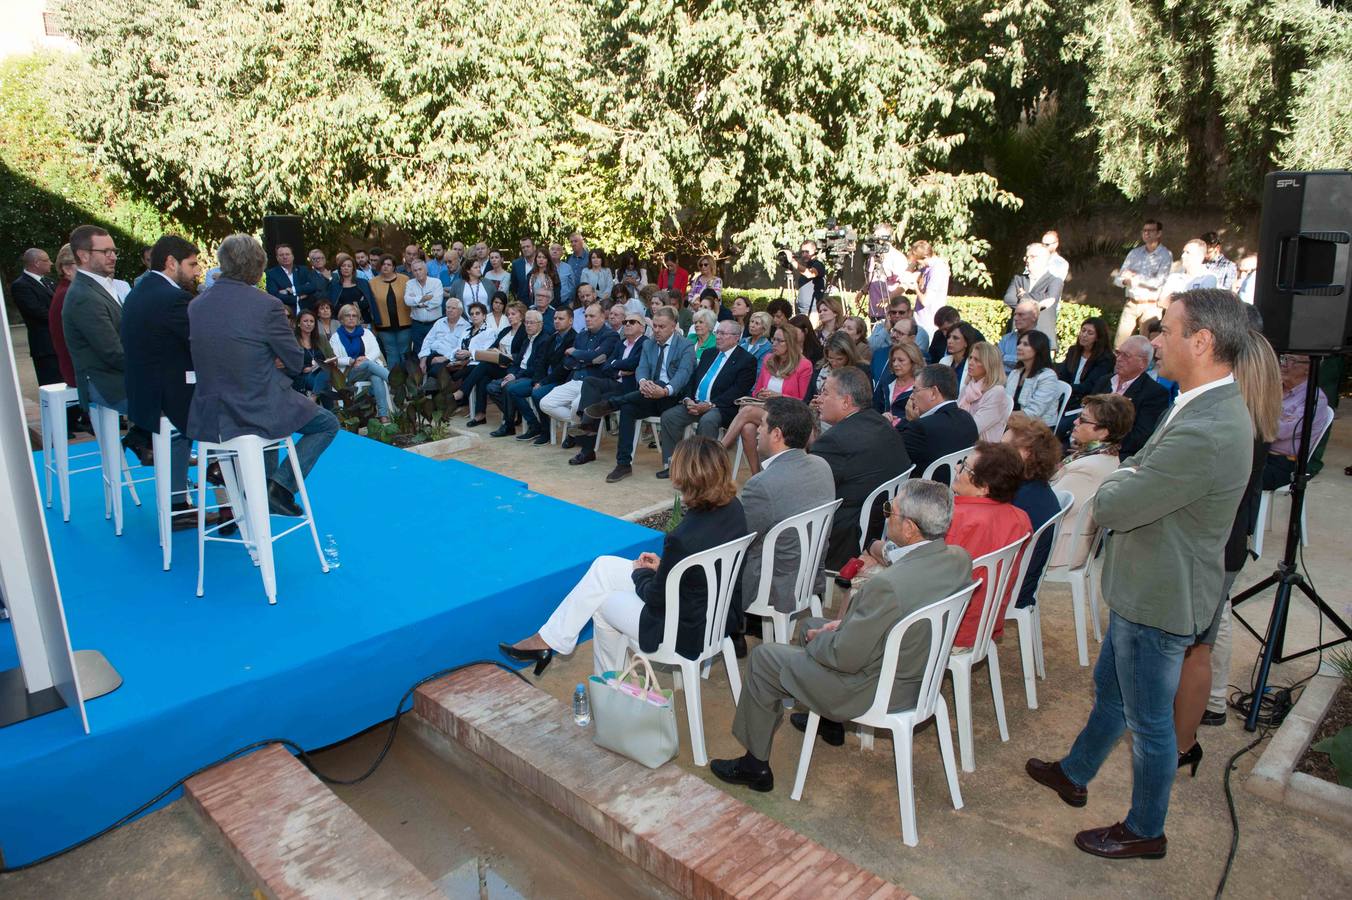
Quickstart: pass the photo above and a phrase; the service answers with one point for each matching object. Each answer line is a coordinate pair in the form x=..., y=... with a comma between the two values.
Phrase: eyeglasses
x=633, y=321
x=963, y=467
x=112, y=250
x=1083, y=421
x=1286, y=361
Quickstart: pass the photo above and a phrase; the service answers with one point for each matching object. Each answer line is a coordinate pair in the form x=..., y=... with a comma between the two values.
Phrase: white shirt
x=38, y=278
x=893, y=554
x=424, y=299
x=1192, y=394
x=106, y=283
x=474, y=293
x=168, y=279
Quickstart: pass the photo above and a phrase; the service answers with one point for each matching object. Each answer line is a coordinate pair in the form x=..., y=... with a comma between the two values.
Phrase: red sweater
x=682, y=281
x=59, y=332
x=982, y=525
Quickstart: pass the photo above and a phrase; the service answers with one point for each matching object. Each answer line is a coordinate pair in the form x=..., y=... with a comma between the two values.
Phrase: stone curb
x=1274, y=776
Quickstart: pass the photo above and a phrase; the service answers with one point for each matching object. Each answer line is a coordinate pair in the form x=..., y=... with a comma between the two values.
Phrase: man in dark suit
x=238, y=335
x=525, y=361
x=92, y=322
x=664, y=370
x=296, y=286
x=724, y=374
x=1038, y=285
x=616, y=377
x=1130, y=379
x=863, y=452
x=935, y=425
x=544, y=374
x=158, y=356
x=32, y=292
x=521, y=267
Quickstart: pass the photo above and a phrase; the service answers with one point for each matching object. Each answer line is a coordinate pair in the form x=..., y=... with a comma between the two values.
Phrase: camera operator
x=809, y=275
x=888, y=269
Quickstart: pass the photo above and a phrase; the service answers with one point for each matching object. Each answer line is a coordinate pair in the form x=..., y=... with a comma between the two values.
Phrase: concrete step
x=294, y=838
x=691, y=836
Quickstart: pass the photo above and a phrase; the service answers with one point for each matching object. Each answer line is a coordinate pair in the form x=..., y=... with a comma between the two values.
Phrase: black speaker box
x=1304, y=280
x=289, y=230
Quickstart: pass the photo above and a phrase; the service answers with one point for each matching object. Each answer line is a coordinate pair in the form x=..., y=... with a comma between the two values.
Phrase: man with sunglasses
x=616, y=377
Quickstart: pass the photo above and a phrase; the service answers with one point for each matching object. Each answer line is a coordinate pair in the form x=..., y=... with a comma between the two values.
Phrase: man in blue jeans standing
x=1169, y=510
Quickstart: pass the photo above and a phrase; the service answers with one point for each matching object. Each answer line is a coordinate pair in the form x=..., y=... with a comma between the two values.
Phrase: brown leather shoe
x=1050, y=775
x=1120, y=842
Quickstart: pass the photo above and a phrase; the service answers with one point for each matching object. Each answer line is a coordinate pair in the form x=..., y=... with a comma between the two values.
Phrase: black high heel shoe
x=1193, y=757
x=541, y=658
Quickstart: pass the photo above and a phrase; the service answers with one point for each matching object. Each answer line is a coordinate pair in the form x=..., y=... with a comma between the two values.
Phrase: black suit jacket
x=863, y=452
x=621, y=366
x=34, y=300
x=700, y=529
x=550, y=369
x=946, y=430
x=734, y=380
x=155, y=340
x=1150, y=398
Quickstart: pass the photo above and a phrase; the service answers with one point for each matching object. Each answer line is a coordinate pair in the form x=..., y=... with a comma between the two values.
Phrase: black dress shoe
x=541, y=439
x=143, y=452
x=475, y=423
x=663, y=473
x=529, y=434
x=582, y=457
x=745, y=770
x=1049, y=774
x=1215, y=719
x=1193, y=757
x=569, y=442
x=619, y=473
x=281, y=502
x=829, y=731
x=1120, y=842
x=502, y=430
x=541, y=658
x=599, y=410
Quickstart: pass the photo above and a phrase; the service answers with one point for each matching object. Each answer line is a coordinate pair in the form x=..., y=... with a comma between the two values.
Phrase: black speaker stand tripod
x=1287, y=576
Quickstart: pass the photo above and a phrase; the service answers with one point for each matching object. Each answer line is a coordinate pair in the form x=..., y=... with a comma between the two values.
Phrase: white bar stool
x=161, y=441
x=53, y=401
x=113, y=459
x=246, y=483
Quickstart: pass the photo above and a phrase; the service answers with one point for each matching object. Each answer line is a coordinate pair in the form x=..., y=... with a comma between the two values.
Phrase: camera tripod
x=1287, y=577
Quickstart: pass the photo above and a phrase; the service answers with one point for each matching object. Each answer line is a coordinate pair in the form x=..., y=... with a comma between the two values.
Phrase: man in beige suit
x=834, y=672
x=1169, y=509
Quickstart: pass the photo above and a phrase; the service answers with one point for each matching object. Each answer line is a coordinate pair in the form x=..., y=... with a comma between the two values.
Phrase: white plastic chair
x=950, y=461
x=113, y=462
x=53, y=401
x=1029, y=618
x=813, y=529
x=722, y=567
x=1264, y=522
x=885, y=491
x=1082, y=583
x=654, y=422
x=242, y=469
x=943, y=618
x=1063, y=389
x=998, y=568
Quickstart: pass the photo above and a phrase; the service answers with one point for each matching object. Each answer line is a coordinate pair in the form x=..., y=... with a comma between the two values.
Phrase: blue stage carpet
x=438, y=562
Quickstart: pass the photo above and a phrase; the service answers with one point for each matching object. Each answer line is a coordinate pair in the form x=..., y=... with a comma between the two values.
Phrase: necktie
x=707, y=382
x=657, y=371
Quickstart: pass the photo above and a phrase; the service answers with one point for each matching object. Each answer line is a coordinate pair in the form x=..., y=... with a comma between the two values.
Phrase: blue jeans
x=529, y=410
x=417, y=333
x=393, y=343
x=378, y=375
x=315, y=436
x=1135, y=681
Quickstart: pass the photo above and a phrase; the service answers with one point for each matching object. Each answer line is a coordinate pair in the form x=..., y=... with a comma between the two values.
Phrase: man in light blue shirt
x=567, y=277
x=1142, y=275
x=579, y=258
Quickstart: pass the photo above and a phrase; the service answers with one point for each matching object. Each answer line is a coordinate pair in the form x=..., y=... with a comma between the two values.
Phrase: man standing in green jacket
x=1169, y=510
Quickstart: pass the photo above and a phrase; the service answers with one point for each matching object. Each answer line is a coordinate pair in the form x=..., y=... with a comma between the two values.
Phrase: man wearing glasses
x=616, y=377
x=1129, y=379
x=1142, y=275
x=92, y=321
x=720, y=379
x=1037, y=285
x=1281, y=459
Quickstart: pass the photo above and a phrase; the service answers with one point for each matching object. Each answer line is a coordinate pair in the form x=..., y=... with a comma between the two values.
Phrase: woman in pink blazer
x=784, y=372
x=984, y=395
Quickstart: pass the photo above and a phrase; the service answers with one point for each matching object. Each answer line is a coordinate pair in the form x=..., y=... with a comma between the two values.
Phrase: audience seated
x=986, y=519
x=935, y=425
x=702, y=330
x=894, y=388
x=1041, y=454
x=961, y=338
x=841, y=351
x=1129, y=379
x=1025, y=320
x=903, y=332
x=545, y=375
x=833, y=670
x=1095, y=452
x=357, y=355
x=519, y=368
x=492, y=361
x=615, y=377
x=946, y=318
x=756, y=339
x=1089, y=359
x=325, y=323
x=1033, y=384
x=883, y=336
x=812, y=348
x=784, y=372
x=1280, y=466
x=984, y=394
x=313, y=379
x=591, y=348
x=720, y=379
x=447, y=336
x=863, y=451
x=238, y=334
x=625, y=600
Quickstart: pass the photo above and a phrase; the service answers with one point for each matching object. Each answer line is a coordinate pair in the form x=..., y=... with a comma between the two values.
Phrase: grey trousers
x=674, y=422
x=761, y=706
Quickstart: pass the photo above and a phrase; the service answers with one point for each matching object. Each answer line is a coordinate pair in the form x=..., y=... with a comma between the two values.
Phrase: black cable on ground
x=295, y=748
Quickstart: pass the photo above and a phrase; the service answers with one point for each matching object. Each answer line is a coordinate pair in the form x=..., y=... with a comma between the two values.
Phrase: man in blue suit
x=158, y=356
x=296, y=286
x=521, y=267
x=616, y=377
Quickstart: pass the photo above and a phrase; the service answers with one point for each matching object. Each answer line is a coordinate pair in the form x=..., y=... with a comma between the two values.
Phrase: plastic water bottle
x=581, y=706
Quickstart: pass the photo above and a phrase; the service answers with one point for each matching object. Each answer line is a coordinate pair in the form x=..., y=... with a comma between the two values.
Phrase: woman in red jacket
x=985, y=519
x=785, y=372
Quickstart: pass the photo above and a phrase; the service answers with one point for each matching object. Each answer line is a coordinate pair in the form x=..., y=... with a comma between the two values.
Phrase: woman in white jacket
x=1033, y=384
x=358, y=355
x=983, y=395
x=1095, y=443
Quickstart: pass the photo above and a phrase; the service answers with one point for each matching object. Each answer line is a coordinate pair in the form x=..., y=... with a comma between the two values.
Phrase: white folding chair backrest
x=1082, y=528
x=1064, y=390
x=951, y=461
x=1065, y=498
x=722, y=567
x=812, y=528
x=885, y=491
x=997, y=570
x=944, y=617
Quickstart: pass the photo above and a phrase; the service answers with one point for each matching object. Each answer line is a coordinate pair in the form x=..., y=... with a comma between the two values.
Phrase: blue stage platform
x=438, y=562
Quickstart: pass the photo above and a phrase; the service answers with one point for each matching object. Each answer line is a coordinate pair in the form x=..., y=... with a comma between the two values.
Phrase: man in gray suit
x=239, y=335
x=834, y=671
x=1170, y=509
x=92, y=321
x=796, y=483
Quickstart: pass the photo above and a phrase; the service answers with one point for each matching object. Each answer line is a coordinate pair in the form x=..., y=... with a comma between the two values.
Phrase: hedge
x=987, y=315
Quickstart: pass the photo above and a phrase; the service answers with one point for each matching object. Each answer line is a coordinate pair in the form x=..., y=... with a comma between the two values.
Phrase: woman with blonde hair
x=759, y=327
x=626, y=600
x=984, y=395
x=894, y=388
x=702, y=326
x=358, y=356
x=785, y=372
x=706, y=279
